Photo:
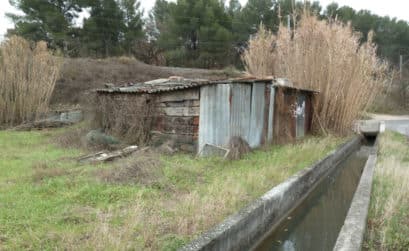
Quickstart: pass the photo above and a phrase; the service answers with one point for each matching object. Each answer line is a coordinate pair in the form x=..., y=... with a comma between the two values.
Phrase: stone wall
x=168, y=117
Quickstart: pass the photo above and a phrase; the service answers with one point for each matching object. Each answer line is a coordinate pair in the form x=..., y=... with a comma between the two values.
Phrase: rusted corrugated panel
x=257, y=115
x=271, y=115
x=214, y=115
x=308, y=113
x=240, y=110
x=300, y=115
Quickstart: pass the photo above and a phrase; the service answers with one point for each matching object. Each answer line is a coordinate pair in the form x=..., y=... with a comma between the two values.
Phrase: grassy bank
x=388, y=223
x=145, y=202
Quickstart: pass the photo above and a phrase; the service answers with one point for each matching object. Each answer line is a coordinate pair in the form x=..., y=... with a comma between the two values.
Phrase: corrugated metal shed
x=260, y=111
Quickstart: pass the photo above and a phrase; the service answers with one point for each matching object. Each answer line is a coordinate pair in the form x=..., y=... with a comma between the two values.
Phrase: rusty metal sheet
x=257, y=115
x=300, y=116
x=214, y=126
x=271, y=115
x=240, y=110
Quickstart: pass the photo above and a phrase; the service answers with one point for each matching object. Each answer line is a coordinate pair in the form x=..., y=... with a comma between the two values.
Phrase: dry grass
x=258, y=58
x=27, y=80
x=79, y=212
x=326, y=56
x=142, y=167
x=42, y=171
x=80, y=75
x=388, y=218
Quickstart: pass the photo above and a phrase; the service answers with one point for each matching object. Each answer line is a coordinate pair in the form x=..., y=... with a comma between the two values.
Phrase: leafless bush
x=238, y=147
x=327, y=56
x=72, y=138
x=126, y=116
x=27, y=80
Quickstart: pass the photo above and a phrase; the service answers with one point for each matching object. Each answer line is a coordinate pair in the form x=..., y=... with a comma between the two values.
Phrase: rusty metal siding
x=258, y=104
x=300, y=115
x=308, y=112
x=257, y=112
x=240, y=110
x=214, y=120
x=271, y=115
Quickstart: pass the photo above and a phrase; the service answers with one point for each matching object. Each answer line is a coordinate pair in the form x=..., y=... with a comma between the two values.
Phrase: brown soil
x=80, y=75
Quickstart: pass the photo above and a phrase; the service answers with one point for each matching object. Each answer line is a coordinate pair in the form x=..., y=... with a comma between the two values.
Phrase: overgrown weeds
x=125, y=116
x=27, y=79
x=142, y=167
x=323, y=55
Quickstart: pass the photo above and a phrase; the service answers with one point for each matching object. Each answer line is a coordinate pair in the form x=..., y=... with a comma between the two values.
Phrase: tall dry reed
x=27, y=79
x=326, y=56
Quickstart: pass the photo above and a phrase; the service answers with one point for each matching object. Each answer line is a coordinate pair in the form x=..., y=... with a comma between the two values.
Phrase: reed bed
x=325, y=55
x=27, y=79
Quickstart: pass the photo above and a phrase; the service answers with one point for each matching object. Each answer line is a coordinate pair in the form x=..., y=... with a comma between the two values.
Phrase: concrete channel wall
x=352, y=232
x=244, y=229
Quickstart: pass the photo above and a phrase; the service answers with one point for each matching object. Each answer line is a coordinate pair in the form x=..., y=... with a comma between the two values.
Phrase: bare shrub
x=27, y=79
x=141, y=167
x=327, y=56
x=72, y=138
x=129, y=117
x=238, y=147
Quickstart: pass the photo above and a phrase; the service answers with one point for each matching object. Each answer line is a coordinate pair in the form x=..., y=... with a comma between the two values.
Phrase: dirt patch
x=141, y=167
x=80, y=75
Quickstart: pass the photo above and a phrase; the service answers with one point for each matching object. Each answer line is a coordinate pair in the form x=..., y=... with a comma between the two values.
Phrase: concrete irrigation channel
x=323, y=207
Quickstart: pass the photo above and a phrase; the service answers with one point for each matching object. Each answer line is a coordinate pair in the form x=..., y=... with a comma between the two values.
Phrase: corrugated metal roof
x=176, y=83
x=156, y=86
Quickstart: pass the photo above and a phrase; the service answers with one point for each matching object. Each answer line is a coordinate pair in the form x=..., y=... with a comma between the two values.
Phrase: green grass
x=48, y=201
x=388, y=220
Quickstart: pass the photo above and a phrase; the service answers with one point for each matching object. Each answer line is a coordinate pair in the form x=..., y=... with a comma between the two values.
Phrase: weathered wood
x=108, y=156
x=182, y=103
x=192, y=94
x=181, y=111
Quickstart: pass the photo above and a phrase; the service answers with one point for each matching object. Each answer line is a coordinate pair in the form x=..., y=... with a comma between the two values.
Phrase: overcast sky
x=392, y=8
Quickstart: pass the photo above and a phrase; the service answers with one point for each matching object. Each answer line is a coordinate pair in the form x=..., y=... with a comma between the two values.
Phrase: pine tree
x=133, y=24
x=196, y=32
x=48, y=20
x=104, y=29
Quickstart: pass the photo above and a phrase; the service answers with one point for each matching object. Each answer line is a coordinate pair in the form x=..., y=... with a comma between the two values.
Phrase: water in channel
x=316, y=223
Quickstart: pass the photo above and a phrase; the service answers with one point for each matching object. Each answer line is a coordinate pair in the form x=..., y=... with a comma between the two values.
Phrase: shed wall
x=174, y=116
x=228, y=110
